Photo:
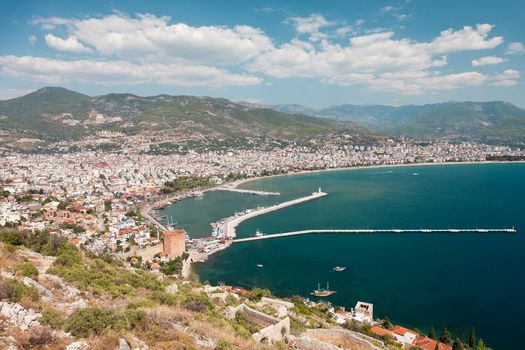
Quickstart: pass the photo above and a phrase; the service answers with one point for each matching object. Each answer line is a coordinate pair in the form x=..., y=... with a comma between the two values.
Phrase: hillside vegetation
x=54, y=113
x=485, y=121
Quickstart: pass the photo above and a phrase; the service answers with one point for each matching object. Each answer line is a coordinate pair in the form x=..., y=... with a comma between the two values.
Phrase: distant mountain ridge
x=56, y=112
x=496, y=120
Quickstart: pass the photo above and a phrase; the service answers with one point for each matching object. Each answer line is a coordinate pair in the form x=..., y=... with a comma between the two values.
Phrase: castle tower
x=174, y=243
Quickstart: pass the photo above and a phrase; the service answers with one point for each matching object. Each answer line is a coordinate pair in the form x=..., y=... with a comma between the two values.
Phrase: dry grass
x=8, y=260
x=105, y=341
x=340, y=339
x=38, y=338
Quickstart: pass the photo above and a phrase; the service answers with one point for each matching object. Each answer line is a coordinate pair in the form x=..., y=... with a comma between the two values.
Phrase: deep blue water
x=455, y=280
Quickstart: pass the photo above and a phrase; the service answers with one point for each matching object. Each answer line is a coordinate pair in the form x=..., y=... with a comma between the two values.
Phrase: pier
x=349, y=231
x=228, y=228
x=240, y=190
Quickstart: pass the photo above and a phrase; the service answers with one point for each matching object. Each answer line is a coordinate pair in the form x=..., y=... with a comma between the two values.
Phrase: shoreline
x=196, y=256
x=237, y=183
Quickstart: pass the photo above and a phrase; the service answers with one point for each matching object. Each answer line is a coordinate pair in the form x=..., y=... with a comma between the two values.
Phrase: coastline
x=202, y=257
x=237, y=183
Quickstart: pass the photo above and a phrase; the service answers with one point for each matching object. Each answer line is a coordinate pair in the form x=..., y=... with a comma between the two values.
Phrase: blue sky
x=316, y=53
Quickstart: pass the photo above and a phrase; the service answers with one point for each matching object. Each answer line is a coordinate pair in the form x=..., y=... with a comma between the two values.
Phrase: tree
x=386, y=323
x=445, y=336
x=457, y=345
x=437, y=346
x=432, y=333
x=480, y=345
x=107, y=205
x=472, y=338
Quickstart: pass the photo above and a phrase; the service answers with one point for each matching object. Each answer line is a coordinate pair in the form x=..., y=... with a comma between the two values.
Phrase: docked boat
x=339, y=268
x=258, y=233
x=322, y=292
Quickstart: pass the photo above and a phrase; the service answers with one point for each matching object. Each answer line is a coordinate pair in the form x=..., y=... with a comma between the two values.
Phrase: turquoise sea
x=455, y=280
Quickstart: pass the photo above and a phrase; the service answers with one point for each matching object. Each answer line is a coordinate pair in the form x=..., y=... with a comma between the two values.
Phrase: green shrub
x=14, y=291
x=94, y=321
x=52, y=318
x=89, y=321
x=223, y=345
x=164, y=298
x=142, y=303
x=12, y=237
x=256, y=294
x=99, y=276
x=27, y=269
x=197, y=302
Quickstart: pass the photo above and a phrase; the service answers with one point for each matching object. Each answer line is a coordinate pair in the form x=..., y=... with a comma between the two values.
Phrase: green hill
x=57, y=113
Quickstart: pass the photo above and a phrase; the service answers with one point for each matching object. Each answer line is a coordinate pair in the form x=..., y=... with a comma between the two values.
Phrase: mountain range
x=57, y=113
x=485, y=121
x=54, y=113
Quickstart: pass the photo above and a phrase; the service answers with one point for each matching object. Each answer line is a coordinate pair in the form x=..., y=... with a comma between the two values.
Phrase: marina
x=227, y=227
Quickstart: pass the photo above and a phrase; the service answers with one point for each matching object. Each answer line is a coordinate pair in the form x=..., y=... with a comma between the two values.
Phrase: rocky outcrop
x=18, y=316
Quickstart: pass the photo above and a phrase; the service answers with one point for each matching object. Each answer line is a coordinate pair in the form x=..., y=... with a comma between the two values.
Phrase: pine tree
x=472, y=338
x=457, y=345
x=437, y=346
x=432, y=333
x=445, y=336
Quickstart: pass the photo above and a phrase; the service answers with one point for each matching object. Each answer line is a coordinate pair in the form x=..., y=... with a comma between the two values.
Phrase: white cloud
x=145, y=48
x=55, y=71
x=70, y=44
x=386, y=9
x=507, y=78
x=468, y=38
x=32, y=39
x=487, y=60
x=310, y=25
x=515, y=48
x=402, y=16
x=151, y=38
x=379, y=60
x=50, y=23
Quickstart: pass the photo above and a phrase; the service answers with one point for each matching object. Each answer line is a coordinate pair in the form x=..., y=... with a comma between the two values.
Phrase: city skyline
x=379, y=52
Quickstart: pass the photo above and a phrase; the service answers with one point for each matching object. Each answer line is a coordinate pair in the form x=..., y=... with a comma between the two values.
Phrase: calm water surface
x=418, y=280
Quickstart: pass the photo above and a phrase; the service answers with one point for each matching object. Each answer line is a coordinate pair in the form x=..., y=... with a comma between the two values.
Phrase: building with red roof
x=430, y=344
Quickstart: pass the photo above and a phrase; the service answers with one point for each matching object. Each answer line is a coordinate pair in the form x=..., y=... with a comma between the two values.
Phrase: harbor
x=350, y=231
x=227, y=228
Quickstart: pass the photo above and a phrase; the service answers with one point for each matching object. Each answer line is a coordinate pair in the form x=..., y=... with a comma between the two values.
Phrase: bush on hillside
x=14, y=291
x=94, y=321
x=27, y=269
x=98, y=276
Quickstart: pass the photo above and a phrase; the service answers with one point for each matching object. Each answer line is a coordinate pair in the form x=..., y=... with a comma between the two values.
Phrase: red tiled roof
x=402, y=330
x=430, y=344
x=380, y=331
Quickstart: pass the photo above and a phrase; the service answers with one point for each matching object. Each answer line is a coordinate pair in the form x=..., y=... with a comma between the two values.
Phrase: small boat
x=415, y=174
x=259, y=265
x=322, y=292
x=258, y=233
x=339, y=268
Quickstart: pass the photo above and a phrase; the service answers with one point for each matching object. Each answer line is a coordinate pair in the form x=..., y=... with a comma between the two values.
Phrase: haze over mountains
x=474, y=120
x=57, y=113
